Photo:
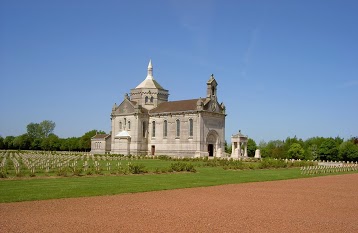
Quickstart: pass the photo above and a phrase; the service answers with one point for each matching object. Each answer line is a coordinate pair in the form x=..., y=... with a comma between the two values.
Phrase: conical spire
x=149, y=81
x=150, y=70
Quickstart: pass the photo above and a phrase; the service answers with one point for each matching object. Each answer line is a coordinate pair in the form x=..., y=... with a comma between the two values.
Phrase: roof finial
x=150, y=70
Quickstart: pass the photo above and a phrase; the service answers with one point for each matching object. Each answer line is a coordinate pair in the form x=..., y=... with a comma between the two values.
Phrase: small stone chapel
x=147, y=123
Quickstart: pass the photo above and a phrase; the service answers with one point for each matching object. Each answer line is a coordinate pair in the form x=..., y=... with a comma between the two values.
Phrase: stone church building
x=147, y=123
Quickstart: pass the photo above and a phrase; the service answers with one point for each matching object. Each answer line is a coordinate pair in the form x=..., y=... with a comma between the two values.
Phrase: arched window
x=165, y=128
x=178, y=128
x=191, y=126
x=146, y=99
x=120, y=125
x=153, y=129
x=151, y=99
x=129, y=125
x=144, y=129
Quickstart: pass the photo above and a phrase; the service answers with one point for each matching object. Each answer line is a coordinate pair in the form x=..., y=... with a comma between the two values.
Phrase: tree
x=312, y=146
x=34, y=130
x=47, y=127
x=329, y=150
x=2, y=146
x=36, y=144
x=51, y=143
x=70, y=144
x=275, y=149
x=228, y=148
x=22, y=142
x=296, y=151
x=348, y=151
x=8, y=142
x=85, y=140
x=40, y=130
x=251, y=147
x=290, y=141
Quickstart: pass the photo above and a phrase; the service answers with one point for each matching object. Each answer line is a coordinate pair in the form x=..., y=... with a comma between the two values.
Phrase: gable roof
x=100, y=136
x=175, y=106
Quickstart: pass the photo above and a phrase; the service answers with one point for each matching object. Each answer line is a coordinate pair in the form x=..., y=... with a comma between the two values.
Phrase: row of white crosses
x=310, y=170
x=3, y=161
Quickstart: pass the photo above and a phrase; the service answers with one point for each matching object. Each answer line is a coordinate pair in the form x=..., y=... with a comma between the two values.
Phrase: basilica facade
x=147, y=123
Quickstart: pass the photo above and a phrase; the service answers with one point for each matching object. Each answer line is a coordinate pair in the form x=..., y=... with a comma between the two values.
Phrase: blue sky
x=284, y=68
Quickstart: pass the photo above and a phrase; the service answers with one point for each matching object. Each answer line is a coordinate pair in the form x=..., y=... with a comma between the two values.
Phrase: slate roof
x=175, y=106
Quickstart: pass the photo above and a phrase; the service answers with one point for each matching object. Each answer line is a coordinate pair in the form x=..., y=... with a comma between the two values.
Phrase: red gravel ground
x=321, y=204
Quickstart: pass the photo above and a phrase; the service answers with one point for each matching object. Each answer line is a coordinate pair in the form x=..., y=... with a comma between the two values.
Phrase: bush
x=272, y=163
x=164, y=157
x=137, y=168
x=77, y=172
x=3, y=174
x=182, y=166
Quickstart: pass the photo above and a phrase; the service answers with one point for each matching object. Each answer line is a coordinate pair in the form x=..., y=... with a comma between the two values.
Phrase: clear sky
x=284, y=68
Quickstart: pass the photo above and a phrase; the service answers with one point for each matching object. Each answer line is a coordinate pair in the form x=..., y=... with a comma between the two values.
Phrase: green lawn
x=48, y=186
x=52, y=188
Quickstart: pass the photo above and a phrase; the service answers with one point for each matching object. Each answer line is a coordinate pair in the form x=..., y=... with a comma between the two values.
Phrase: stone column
x=245, y=150
x=232, y=149
x=239, y=150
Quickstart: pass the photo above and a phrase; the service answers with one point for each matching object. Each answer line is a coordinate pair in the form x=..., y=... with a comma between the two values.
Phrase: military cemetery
x=178, y=116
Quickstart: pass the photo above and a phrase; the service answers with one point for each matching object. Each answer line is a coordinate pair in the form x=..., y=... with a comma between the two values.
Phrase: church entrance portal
x=213, y=143
x=153, y=150
x=211, y=150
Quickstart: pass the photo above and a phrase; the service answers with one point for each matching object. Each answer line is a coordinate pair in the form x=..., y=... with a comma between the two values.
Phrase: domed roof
x=149, y=81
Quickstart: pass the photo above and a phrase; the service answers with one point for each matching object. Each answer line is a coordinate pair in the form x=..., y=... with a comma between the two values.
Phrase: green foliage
x=9, y=142
x=182, y=166
x=251, y=147
x=329, y=150
x=85, y=140
x=40, y=130
x=22, y=142
x=3, y=174
x=137, y=168
x=51, y=143
x=348, y=151
x=2, y=145
x=164, y=157
x=275, y=149
x=296, y=151
x=228, y=148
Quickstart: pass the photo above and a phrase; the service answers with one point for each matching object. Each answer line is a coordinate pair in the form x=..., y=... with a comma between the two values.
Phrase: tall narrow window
x=144, y=129
x=146, y=99
x=165, y=129
x=153, y=129
x=120, y=125
x=129, y=125
x=190, y=127
x=178, y=128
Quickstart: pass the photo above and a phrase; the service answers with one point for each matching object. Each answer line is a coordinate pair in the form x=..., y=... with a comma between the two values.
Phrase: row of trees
x=40, y=136
x=316, y=148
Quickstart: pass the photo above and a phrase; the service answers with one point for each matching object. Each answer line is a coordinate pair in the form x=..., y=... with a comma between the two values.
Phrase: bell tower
x=211, y=91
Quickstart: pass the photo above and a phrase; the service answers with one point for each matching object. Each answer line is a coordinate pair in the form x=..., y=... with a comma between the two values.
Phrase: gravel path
x=321, y=204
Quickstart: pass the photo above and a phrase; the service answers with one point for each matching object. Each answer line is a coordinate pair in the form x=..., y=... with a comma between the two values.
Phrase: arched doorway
x=212, y=142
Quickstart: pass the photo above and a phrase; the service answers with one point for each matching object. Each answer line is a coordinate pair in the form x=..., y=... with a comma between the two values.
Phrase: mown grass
x=53, y=188
x=210, y=173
